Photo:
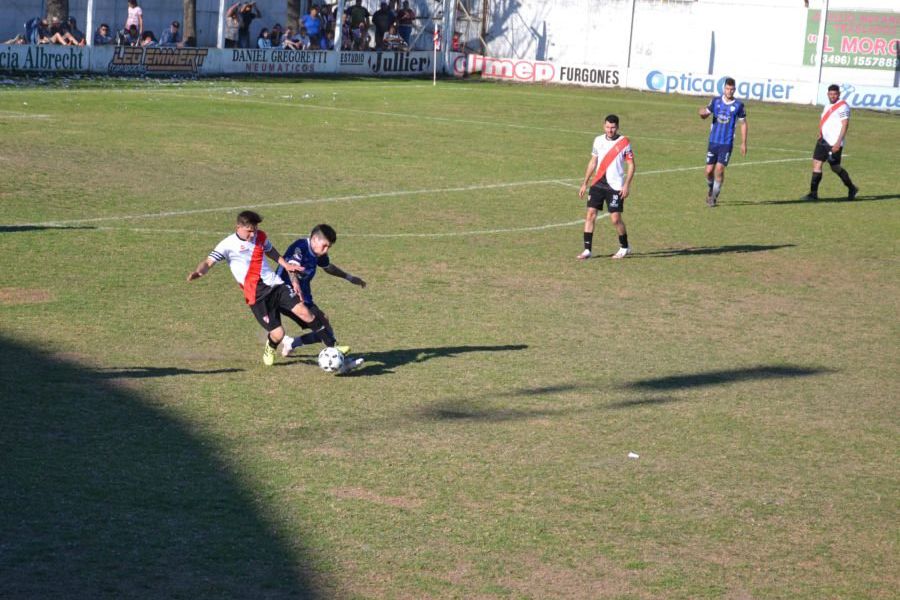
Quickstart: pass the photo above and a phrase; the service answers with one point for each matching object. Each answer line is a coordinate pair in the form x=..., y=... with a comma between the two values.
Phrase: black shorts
x=601, y=193
x=822, y=152
x=268, y=309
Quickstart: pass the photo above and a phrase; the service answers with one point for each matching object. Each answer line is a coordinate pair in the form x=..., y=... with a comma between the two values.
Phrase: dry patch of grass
x=14, y=295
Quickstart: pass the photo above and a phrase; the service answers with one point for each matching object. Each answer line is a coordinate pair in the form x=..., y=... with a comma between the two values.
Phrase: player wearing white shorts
x=608, y=175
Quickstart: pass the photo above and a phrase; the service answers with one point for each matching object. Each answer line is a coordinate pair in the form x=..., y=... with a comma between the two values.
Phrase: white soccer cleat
x=622, y=253
x=584, y=255
x=287, y=346
x=351, y=364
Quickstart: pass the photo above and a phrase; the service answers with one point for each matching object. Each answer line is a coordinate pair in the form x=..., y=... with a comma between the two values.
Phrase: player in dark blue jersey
x=727, y=112
x=310, y=254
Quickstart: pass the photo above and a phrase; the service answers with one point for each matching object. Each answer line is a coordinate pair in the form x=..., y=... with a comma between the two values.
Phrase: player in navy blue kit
x=727, y=112
x=310, y=254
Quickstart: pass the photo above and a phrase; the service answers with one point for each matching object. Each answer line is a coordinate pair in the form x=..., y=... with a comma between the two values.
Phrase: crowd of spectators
x=388, y=28
x=66, y=33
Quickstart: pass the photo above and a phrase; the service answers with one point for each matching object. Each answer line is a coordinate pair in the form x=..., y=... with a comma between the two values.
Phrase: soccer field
x=747, y=354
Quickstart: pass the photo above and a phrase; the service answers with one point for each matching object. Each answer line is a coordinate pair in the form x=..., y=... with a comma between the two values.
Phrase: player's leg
x=834, y=161
x=616, y=206
x=267, y=314
x=820, y=155
x=710, y=167
x=305, y=314
x=718, y=181
x=590, y=218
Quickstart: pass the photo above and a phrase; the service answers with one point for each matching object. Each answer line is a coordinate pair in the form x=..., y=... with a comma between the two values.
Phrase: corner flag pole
x=437, y=45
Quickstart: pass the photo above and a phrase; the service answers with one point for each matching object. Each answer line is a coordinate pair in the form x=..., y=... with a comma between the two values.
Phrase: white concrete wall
x=747, y=38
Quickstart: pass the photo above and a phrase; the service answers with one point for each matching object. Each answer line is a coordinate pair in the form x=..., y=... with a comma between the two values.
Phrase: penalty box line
x=353, y=197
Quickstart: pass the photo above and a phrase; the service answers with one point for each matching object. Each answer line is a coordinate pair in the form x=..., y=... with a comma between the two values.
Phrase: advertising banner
x=407, y=64
x=768, y=90
x=864, y=96
x=45, y=58
x=165, y=62
x=855, y=39
x=277, y=61
x=536, y=71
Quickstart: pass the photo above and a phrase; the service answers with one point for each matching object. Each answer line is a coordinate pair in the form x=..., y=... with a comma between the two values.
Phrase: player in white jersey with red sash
x=832, y=131
x=608, y=176
x=245, y=252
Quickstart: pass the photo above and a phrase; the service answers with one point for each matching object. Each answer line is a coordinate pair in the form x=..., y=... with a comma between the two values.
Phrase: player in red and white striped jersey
x=245, y=251
x=833, y=126
x=609, y=174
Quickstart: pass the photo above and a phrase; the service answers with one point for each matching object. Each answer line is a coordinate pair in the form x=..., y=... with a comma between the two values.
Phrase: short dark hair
x=729, y=81
x=248, y=217
x=327, y=231
x=834, y=88
x=614, y=119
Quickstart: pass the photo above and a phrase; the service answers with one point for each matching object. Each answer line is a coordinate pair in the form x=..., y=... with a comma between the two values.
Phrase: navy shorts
x=601, y=193
x=822, y=153
x=718, y=153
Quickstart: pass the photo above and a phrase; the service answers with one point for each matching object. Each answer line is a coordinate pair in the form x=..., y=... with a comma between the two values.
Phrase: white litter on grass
x=633, y=455
x=291, y=97
x=307, y=96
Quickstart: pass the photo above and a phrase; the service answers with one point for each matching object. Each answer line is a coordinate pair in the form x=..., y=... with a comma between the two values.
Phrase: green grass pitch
x=748, y=353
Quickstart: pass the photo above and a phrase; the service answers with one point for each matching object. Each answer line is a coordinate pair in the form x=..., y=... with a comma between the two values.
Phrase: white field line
x=8, y=114
x=361, y=235
x=456, y=120
x=391, y=194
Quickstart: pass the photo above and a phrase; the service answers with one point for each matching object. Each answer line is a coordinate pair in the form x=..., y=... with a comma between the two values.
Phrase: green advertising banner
x=854, y=39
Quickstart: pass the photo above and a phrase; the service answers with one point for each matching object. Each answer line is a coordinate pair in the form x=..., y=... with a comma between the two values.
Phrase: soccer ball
x=331, y=360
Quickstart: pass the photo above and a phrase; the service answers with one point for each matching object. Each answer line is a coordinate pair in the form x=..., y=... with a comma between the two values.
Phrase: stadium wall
x=675, y=47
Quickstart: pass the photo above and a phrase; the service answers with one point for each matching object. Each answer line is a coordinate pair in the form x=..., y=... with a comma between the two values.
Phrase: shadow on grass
x=22, y=228
x=145, y=372
x=706, y=250
x=709, y=378
x=381, y=363
x=478, y=409
x=821, y=200
x=104, y=496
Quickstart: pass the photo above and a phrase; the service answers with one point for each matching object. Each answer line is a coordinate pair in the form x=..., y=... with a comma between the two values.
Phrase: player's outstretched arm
x=290, y=267
x=704, y=112
x=202, y=269
x=335, y=270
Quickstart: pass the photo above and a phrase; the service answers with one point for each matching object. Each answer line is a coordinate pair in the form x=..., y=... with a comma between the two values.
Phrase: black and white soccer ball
x=331, y=360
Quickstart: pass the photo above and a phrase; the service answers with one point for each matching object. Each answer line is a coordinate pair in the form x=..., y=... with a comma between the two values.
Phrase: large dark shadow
x=145, y=372
x=381, y=363
x=706, y=250
x=709, y=378
x=104, y=496
x=821, y=200
x=23, y=228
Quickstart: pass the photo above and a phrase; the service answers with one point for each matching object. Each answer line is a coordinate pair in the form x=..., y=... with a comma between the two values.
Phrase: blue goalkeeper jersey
x=725, y=116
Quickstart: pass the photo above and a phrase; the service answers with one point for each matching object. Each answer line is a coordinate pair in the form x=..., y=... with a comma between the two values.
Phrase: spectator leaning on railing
x=102, y=36
x=171, y=37
x=264, y=40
